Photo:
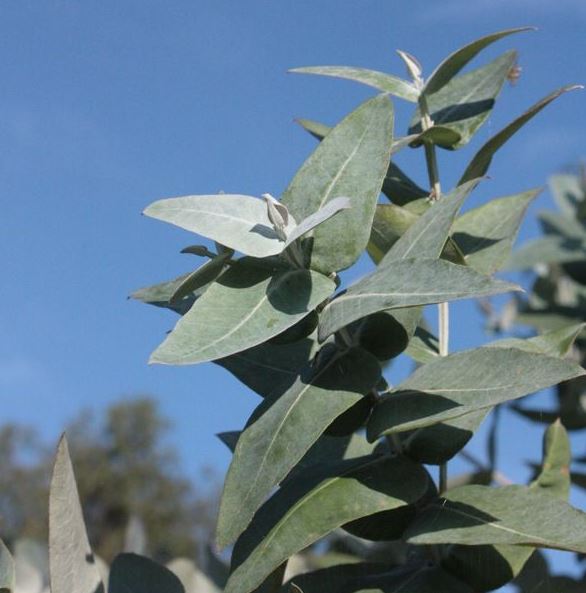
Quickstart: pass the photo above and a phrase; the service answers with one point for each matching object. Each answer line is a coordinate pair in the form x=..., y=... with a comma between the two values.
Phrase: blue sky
x=107, y=106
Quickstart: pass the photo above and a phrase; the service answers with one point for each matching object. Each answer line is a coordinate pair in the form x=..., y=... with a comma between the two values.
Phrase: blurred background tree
x=126, y=475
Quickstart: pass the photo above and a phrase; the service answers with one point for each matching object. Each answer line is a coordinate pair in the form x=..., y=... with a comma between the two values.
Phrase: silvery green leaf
x=485, y=235
x=449, y=67
x=455, y=385
x=476, y=515
x=160, y=295
x=482, y=159
x=192, y=579
x=309, y=508
x=386, y=83
x=465, y=102
x=556, y=342
x=71, y=561
x=236, y=221
x=407, y=283
x=284, y=430
x=443, y=136
x=308, y=224
x=245, y=307
x=131, y=573
x=413, y=67
x=201, y=277
x=551, y=249
x=352, y=161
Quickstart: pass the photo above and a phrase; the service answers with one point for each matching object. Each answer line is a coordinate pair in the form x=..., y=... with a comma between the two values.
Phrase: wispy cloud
x=465, y=10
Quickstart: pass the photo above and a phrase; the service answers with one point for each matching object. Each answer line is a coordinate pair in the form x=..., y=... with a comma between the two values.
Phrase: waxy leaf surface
x=386, y=83
x=351, y=161
x=475, y=515
x=486, y=234
x=246, y=306
x=131, y=573
x=283, y=431
x=465, y=382
x=309, y=508
x=71, y=561
x=407, y=283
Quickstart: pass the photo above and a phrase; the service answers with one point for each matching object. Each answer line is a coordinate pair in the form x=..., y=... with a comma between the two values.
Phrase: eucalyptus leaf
x=160, y=295
x=486, y=234
x=423, y=347
x=482, y=159
x=466, y=101
x=352, y=161
x=192, y=579
x=550, y=249
x=71, y=561
x=246, y=306
x=407, y=283
x=284, y=430
x=443, y=136
x=465, y=382
x=234, y=220
x=449, y=67
x=131, y=573
x=568, y=193
x=473, y=515
x=553, y=343
x=306, y=510
x=554, y=477
x=386, y=83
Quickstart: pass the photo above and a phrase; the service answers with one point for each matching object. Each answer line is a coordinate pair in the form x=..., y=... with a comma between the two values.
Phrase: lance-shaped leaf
x=473, y=515
x=465, y=382
x=71, y=561
x=352, y=161
x=506, y=561
x=457, y=60
x=550, y=249
x=386, y=83
x=201, y=277
x=486, y=234
x=237, y=221
x=160, y=295
x=245, y=307
x=6, y=570
x=443, y=136
x=482, y=159
x=399, y=188
x=309, y=508
x=466, y=101
x=284, y=429
x=389, y=224
x=407, y=283
x=270, y=369
x=131, y=573
x=556, y=342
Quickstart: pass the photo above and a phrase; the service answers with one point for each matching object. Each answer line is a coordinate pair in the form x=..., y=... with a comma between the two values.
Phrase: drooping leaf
x=195, y=281
x=160, y=295
x=474, y=515
x=283, y=431
x=449, y=67
x=71, y=561
x=482, y=159
x=466, y=101
x=556, y=342
x=234, y=220
x=465, y=382
x=304, y=511
x=245, y=307
x=352, y=161
x=486, y=235
x=6, y=570
x=407, y=283
x=386, y=83
x=131, y=573
x=270, y=369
